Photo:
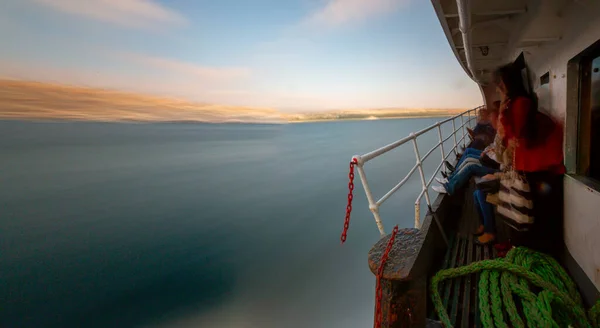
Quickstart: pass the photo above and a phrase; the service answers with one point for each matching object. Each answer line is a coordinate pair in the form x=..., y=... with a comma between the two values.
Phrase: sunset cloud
x=127, y=13
x=189, y=69
x=35, y=100
x=340, y=12
x=26, y=100
x=159, y=76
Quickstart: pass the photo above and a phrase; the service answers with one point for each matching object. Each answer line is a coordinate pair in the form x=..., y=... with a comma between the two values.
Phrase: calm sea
x=193, y=225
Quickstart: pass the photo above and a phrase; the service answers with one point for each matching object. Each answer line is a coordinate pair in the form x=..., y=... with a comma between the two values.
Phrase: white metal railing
x=362, y=160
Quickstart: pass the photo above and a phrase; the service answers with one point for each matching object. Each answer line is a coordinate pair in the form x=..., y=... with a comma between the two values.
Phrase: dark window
x=588, y=126
x=583, y=116
x=594, y=118
x=545, y=79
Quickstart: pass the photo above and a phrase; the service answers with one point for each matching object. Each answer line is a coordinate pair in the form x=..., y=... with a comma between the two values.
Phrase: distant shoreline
x=60, y=120
x=369, y=119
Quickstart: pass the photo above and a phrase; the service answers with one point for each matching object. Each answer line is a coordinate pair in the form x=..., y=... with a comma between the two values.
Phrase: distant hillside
x=43, y=101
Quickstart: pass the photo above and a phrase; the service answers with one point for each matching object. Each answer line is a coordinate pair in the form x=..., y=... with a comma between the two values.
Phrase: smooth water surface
x=194, y=225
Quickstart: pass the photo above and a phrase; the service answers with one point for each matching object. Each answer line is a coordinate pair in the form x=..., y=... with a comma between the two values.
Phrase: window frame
x=577, y=145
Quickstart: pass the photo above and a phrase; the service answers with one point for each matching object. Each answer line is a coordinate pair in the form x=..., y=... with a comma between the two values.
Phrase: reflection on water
x=175, y=225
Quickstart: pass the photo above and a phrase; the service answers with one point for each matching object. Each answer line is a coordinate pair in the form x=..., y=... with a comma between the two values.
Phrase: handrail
x=425, y=184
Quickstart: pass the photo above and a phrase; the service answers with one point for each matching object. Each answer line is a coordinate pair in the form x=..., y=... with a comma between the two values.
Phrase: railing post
x=420, y=165
x=462, y=121
x=454, y=134
x=468, y=118
x=418, y=215
x=372, y=204
x=441, y=140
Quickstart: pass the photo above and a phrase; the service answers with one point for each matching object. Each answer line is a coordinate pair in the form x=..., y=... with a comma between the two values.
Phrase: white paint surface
x=580, y=28
x=582, y=227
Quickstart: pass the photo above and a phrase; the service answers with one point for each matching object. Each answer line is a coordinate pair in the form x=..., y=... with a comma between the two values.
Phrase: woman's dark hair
x=513, y=82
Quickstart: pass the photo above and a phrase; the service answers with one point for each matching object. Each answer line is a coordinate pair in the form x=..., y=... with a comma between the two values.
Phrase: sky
x=290, y=55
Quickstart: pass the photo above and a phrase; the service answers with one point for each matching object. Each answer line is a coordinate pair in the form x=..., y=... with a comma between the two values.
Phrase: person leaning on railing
x=483, y=133
x=470, y=165
x=471, y=156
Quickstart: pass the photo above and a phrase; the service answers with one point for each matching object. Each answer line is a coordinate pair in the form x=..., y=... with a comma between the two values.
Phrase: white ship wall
x=579, y=22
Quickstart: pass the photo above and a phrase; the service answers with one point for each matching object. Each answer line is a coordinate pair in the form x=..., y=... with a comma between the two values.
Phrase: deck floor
x=460, y=295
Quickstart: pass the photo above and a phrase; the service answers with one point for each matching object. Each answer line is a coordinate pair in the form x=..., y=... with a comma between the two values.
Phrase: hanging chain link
x=350, y=197
x=378, y=291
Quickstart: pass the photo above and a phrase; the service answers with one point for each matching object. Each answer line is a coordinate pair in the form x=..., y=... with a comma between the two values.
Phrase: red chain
x=350, y=197
x=378, y=291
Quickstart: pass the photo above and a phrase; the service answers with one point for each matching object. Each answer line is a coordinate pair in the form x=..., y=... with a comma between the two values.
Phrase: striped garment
x=515, y=201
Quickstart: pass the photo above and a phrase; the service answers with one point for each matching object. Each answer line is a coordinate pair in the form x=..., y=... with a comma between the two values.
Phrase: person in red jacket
x=538, y=154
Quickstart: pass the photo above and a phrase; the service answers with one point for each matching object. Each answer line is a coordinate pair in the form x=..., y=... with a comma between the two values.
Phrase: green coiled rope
x=548, y=296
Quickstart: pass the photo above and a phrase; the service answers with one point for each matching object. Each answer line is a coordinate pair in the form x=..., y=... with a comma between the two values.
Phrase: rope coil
x=557, y=304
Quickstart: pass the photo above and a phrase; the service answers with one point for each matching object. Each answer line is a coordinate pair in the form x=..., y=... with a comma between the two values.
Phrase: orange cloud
x=34, y=100
x=127, y=13
x=339, y=12
x=172, y=79
x=190, y=69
